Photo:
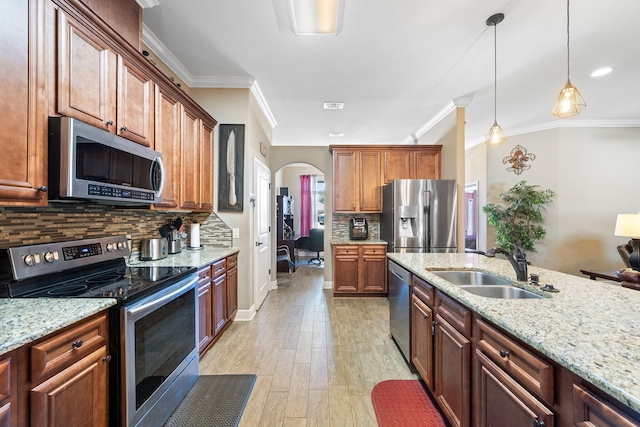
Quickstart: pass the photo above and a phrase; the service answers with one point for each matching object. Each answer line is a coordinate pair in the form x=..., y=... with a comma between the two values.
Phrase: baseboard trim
x=245, y=315
x=328, y=284
x=274, y=284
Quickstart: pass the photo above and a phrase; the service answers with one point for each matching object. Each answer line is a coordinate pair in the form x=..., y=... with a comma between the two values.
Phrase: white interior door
x=262, y=218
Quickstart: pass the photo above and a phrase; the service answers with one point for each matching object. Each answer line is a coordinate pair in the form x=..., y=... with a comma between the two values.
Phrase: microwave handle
x=161, y=165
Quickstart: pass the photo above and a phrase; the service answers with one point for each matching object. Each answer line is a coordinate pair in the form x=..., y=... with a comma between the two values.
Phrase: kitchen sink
x=471, y=278
x=505, y=292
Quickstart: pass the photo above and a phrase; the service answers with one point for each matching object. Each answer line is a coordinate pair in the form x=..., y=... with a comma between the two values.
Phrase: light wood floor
x=317, y=357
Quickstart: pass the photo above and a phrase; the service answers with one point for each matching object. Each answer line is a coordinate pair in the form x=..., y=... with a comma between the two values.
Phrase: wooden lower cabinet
x=62, y=379
x=359, y=269
x=205, y=307
x=452, y=373
x=8, y=389
x=217, y=299
x=77, y=396
x=422, y=339
x=500, y=400
x=591, y=410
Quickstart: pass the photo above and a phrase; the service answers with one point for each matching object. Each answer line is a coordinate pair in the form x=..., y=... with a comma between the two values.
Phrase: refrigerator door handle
x=427, y=220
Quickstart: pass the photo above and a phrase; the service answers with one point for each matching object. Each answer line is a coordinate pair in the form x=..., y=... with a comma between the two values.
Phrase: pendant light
x=496, y=136
x=569, y=102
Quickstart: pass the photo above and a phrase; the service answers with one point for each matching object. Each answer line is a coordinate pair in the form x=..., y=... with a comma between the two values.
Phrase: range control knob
x=122, y=245
x=51, y=256
x=111, y=247
x=32, y=259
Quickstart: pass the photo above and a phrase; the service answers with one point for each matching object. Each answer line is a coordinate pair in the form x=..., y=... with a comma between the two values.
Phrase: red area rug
x=404, y=403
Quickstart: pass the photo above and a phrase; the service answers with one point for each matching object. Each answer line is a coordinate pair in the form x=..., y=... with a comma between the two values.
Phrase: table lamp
x=628, y=225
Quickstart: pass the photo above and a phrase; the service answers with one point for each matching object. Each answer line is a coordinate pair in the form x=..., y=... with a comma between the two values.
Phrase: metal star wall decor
x=517, y=159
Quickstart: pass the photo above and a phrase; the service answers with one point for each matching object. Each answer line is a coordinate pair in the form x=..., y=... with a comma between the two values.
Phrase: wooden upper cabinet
x=190, y=161
x=86, y=71
x=345, y=181
x=414, y=162
x=356, y=180
x=135, y=104
x=206, y=168
x=22, y=104
x=167, y=142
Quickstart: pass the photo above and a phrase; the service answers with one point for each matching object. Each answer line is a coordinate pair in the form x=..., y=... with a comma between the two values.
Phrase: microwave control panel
x=119, y=193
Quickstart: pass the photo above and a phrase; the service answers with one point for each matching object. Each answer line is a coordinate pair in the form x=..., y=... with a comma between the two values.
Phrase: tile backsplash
x=341, y=225
x=82, y=220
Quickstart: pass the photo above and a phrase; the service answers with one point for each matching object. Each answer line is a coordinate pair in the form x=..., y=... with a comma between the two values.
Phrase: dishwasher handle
x=399, y=272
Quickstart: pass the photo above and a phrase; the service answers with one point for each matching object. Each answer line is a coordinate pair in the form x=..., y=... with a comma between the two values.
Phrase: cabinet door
x=369, y=182
x=232, y=293
x=502, y=401
x=427, y=165
x=219, y=288
x=86, y=75
x=374, y=269
x=345, y=183
x=206, y=168
x=205, y=317
x=345, y=269
x=452, y=373
x=190, y=167
x=5, y=415
x=76, y=396
x=398, y=165
x=590, y=410
x=167, y=142
x=422, y=340
x=136, y=93
x=22, y=137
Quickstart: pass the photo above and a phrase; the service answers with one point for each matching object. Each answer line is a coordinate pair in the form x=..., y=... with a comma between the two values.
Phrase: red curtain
x=305, y=204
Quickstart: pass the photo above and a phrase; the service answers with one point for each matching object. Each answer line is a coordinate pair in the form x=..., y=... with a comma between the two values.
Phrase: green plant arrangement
x=519, y=223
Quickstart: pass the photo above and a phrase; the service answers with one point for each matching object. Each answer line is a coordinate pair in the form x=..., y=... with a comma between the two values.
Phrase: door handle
x=259, y=243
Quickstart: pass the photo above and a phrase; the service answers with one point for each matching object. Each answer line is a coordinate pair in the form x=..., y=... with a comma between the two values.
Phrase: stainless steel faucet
x=519, y=263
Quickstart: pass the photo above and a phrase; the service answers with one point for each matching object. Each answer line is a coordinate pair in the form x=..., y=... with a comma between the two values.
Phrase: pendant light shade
x=569, y=102
x=496, y=135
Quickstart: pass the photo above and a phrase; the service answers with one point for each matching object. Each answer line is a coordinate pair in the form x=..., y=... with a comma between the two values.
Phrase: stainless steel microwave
x=89, y=163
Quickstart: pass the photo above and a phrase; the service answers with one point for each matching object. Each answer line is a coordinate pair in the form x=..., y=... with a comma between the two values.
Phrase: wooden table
x=601, y=274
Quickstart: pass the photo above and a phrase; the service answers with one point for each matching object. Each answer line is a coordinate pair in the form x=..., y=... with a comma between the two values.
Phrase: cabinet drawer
x=349, y=250
x=218, y=268
x=590, y=410
x=204, y=273
x=232, y=261
x=67, y=347
x=458, y=316
x=374, y=250
x=423, y=290
x=531, y=371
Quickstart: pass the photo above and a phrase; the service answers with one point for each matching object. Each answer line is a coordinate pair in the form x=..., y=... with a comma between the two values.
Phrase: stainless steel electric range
x=153, y=328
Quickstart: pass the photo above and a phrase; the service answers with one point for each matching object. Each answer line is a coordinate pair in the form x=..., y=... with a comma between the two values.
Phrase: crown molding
x=431, y=123
x=228, y=82
x=262, y=102
x=145, y=4
x=154, y=43
x=559, y=124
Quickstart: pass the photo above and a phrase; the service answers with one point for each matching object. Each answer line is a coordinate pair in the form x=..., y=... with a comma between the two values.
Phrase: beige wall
x=235, y=106
x=592, y=170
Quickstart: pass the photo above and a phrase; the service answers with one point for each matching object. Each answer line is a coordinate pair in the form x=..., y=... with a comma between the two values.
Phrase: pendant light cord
x=568, y=40
x=495, y=72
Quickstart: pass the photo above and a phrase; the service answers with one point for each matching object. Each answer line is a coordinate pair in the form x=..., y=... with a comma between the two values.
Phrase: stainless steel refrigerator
x=419, y=215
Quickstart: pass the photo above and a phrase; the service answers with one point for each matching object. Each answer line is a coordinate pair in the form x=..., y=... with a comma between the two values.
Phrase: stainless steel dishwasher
x=399, y=294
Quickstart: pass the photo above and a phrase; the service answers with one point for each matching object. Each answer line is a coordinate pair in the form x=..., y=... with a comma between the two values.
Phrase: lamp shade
x=569, y=102
x=496, y=136
x=628, y=225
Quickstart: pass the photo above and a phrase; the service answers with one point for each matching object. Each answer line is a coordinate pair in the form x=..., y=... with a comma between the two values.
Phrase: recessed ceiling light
x=316, y=17
x=333, y=105
x=336, y=134
x=601, y=72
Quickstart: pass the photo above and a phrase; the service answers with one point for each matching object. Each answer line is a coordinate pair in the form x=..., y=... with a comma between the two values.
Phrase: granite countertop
x=358, y=242
x=25, y=320
x=590, y=327
x=189, y=258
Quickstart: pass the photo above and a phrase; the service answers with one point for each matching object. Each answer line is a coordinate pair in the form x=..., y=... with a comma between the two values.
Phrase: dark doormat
x=214, y=401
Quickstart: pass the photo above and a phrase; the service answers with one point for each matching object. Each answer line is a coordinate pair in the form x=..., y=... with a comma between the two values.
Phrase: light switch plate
x=236, y=233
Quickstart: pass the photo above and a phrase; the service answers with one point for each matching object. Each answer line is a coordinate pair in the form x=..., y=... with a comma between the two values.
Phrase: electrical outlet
x=236, y=233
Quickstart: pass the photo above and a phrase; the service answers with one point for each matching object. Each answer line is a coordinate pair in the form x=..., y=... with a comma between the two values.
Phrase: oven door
x=160, y=352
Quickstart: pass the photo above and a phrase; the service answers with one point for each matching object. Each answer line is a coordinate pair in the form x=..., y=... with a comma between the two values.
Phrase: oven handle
x=151, y=305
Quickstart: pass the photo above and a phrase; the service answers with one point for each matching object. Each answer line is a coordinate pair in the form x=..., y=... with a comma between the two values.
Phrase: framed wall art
x=231, y=168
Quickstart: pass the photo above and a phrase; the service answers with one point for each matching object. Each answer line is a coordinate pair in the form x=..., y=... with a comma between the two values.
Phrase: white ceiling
x=397, y=64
